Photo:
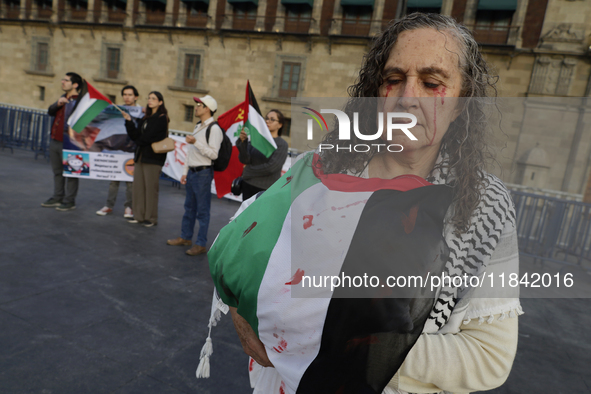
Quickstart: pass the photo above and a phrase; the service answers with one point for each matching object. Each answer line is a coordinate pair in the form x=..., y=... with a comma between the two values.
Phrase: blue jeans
x=197, y=205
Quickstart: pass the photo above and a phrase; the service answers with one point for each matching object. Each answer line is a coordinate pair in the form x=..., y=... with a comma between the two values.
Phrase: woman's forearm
x=477, y=358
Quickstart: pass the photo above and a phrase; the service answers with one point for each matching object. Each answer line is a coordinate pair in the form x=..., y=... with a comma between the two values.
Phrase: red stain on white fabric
x=349, y=205
x=281, y=346
x=285, y=290
x=308, y=221
x=296, y=278
x=180, y=155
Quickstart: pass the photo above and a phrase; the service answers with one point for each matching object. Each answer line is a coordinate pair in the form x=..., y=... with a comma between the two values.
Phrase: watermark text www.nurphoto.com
x=433, y=282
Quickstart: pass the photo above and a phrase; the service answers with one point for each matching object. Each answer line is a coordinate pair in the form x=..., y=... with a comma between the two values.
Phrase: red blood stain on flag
x=281, y=346
x=349, y=205
x=409, y=221
x=288, y=179
x=296, y=278
x=249, y=229
x=308, y=221
x=282, y=388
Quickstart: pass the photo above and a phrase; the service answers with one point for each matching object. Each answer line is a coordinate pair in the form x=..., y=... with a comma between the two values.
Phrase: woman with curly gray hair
x=428, y=209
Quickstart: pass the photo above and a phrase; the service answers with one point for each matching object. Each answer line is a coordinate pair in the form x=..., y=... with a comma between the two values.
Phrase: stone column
x=261, y=12
x=169, y=11
x=376, y=17
x=141, y=17
x=211, y=13
x=55, y=11
x=470, y=13
x=337, y=24
x=90, y=11
x=103, y=16
x=279, y=18
x=316, y=16
x=128, y=12
x=575, y=144
x=22, y=11
x=67, y=12
x=518, y=19
x=227, y=23
x=446, y=7
x=34, y=10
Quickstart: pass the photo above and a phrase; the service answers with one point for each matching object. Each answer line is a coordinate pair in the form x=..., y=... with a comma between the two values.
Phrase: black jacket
x=148, y=130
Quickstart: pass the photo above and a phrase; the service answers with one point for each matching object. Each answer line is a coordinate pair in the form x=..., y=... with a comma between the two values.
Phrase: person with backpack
x=260, y=172
x=203, y=147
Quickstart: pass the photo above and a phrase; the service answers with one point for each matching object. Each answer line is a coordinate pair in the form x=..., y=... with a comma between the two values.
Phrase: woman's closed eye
x=393, y=81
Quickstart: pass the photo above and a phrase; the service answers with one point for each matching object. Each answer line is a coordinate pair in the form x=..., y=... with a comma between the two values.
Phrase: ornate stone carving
x=564, y=32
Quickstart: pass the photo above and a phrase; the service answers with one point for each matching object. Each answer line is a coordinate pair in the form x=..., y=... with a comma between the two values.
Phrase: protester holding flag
x=262, y=171
x=427, y=210
x=153, y=127
x=64, y=192
x=130, y=96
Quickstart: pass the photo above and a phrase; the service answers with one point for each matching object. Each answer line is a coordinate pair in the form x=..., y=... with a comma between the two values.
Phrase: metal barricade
x=25, y=128
x=552, y=229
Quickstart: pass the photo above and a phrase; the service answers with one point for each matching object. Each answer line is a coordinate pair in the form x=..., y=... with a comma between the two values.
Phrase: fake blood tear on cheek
x=442, y=94
x=388, y=90
x=438, y=92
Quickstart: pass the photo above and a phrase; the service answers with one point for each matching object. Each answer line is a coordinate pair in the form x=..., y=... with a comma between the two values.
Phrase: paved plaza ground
x=93, y=304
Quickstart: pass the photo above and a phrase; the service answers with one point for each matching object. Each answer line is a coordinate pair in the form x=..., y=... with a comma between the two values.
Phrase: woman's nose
x=409, y=95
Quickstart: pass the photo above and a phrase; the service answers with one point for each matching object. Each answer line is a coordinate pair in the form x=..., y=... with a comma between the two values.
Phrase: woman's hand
x=190, y=139
x=243, y=135
x=251, y=344
x=126, y=116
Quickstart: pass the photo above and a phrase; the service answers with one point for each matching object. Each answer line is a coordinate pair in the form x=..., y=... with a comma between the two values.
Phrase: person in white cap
x=198, y=174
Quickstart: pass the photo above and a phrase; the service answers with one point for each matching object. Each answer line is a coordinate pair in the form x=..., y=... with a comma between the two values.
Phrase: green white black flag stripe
x=260, y=136
x=308, y=223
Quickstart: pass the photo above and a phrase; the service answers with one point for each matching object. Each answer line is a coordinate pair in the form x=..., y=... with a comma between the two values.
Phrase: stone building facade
x=305, y=48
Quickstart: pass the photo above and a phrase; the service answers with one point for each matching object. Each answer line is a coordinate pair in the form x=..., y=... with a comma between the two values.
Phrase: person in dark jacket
x=153, y=127
x=64, y=189
x=261, y=172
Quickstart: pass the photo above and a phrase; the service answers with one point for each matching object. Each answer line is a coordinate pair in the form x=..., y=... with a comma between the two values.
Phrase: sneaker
x=66, y=206
x=195, y=250
x=104, y=211
x=179, y=242
x=128, y=213
x=133, y=221
x=148, y=223
x=51, y=203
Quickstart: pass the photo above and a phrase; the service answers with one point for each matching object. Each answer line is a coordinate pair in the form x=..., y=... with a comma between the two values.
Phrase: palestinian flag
x=232, y=121
x=260, y=136
x=89, y=106
x=271, y=260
